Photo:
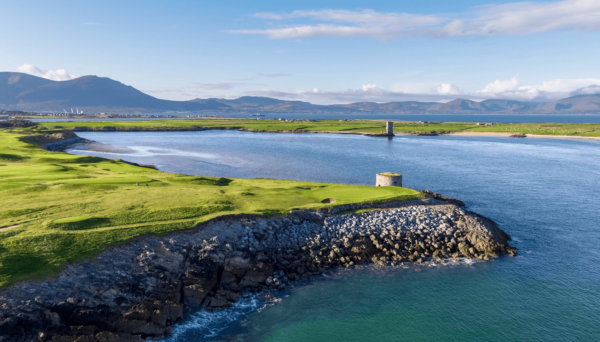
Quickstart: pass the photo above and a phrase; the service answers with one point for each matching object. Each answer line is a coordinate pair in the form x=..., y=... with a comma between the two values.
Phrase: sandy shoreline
x=561, y=137
x=499, y=134
x=480, y=134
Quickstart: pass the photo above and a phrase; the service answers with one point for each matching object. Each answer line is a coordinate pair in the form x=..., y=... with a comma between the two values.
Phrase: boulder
x=228, y=278
x=199, y=282
x=463, y=247
x=106, y=336
x=195, y=293
x=216, y=302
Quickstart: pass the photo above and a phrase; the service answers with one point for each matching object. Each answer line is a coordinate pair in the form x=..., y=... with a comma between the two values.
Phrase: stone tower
x=389, y=128
x=388, y=179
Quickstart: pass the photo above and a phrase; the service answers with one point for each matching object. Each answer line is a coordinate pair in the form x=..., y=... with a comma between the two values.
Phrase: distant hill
x=14, y=83
x=579, y=103
x=88, y=93
x=575, y=104
x=20, y=91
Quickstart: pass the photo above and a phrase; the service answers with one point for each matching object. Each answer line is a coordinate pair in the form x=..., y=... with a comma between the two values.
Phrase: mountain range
x=93, y=94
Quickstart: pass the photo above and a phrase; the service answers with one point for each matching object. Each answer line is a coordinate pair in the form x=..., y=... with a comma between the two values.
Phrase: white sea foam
x=202, y=324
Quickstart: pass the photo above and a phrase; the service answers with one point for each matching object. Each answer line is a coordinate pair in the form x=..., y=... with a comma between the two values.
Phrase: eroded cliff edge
x=138, y=291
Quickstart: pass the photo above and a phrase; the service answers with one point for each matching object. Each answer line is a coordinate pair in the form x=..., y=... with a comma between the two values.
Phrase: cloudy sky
x=319, y=51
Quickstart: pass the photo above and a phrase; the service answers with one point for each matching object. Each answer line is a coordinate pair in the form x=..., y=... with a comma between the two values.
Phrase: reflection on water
x=541, y=191
x=108, y=150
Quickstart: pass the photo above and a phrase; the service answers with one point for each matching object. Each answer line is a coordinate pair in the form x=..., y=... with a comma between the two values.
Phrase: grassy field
x=359, y=126
x=69, y=207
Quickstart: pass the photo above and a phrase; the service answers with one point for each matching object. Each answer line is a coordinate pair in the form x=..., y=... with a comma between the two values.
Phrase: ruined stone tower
x=389, y=128
x=388, y=179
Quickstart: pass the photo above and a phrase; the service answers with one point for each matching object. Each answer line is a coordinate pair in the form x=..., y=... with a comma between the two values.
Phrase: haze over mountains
x=92, y=94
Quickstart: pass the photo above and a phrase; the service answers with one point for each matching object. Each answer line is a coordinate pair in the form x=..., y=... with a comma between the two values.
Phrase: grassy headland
x=338, y=126
x=69, y=208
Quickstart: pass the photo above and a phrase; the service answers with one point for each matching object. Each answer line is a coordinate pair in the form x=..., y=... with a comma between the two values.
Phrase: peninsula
x=364, y=127
x=103, y=250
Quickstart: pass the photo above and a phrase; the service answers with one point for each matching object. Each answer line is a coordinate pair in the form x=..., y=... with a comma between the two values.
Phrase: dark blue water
x=543, y=192
x=500, y=118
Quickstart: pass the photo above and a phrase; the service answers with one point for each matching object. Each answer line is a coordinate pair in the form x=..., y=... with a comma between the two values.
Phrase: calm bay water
x=543, y=192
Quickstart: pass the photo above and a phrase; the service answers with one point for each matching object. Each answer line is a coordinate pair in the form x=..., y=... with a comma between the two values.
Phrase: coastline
x=561, y=137
x=508, y=135
x=137, y=291
x=369, y=134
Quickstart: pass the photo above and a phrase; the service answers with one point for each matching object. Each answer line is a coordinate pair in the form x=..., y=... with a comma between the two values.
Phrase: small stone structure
x=388, y=179
x=389, y=128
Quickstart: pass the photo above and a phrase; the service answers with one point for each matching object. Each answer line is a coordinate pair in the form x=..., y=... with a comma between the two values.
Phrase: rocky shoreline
x=138, y=291
x=64, y=144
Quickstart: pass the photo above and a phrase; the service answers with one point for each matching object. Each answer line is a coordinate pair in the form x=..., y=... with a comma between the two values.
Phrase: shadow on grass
x=88, y=223
x=201, y=180
x=11, y=157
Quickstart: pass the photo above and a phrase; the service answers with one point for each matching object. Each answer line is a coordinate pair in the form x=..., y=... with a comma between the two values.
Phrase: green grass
x=70, y=208
x=359, y=126
x=390, y=174
x=569, y=129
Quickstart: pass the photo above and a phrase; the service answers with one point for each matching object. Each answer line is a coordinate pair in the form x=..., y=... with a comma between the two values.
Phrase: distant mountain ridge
x=94, y=94
x=89, y=93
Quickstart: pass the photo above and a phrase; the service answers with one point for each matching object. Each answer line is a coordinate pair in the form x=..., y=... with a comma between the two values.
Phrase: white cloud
x=366, y=93
x=589, y=90
x=448, y=89
x=364, y=16
x=566, y=85
x=518, y=18
x=367, y=87
x=547, y=91
x=508, y=89
x=55, y=75
x=500, y=86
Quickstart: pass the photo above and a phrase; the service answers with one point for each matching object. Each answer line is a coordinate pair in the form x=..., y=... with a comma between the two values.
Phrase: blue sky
x=317, y=51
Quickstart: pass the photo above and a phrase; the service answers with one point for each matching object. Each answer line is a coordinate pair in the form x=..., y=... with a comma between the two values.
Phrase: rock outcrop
x=58, y=141
x=138, y=291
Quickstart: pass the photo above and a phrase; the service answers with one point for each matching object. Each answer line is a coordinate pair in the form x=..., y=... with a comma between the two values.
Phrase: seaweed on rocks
x=139, y=290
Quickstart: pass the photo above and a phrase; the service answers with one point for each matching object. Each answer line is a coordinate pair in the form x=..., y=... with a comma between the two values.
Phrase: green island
x=63, y=208
x=335, y=126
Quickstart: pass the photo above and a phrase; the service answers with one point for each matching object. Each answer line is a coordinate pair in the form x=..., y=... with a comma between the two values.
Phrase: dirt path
x=9, y=227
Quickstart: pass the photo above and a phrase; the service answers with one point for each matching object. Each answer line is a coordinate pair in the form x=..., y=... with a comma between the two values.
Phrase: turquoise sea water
x=543, y=192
